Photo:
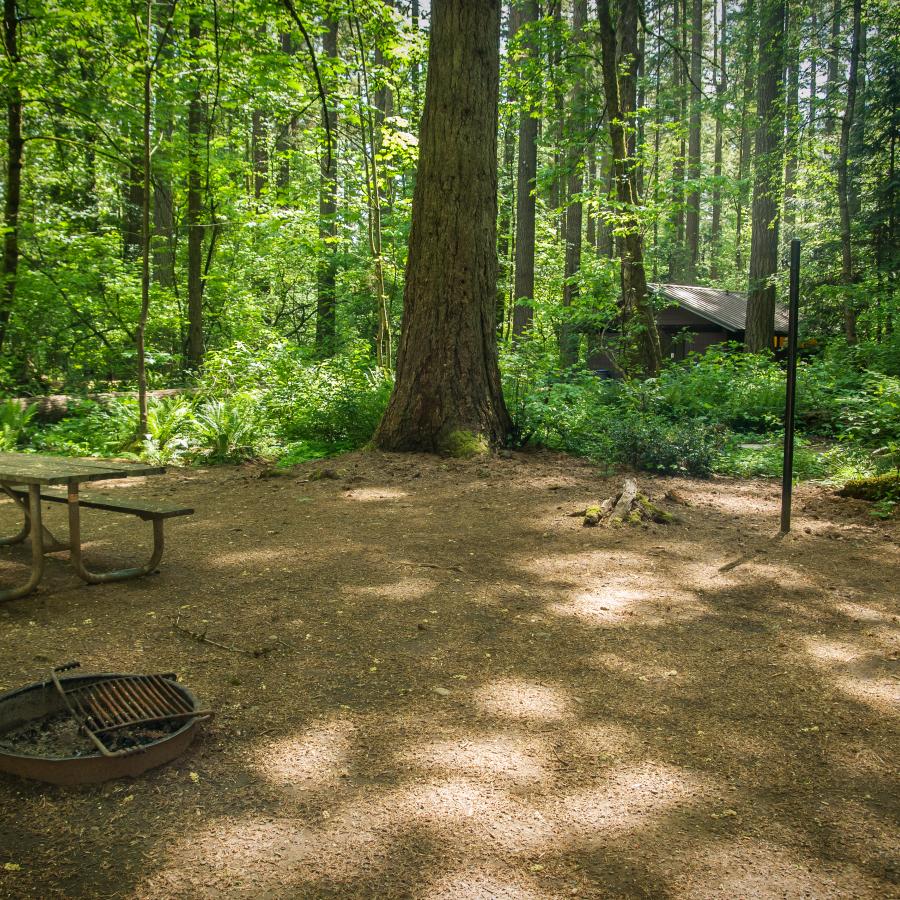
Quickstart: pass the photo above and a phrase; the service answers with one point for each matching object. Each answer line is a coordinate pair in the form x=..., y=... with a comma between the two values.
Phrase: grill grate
x=124, y=701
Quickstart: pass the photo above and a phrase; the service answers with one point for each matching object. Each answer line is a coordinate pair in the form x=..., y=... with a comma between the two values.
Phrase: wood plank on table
x=33, y=468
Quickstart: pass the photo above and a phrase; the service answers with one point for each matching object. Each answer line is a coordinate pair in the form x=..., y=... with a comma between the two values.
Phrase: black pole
x=787, y=476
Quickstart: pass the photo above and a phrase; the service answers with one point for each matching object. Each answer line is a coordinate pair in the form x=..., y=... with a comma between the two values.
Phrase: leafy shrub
x=227, y=430
x=93, y=429
x=14, y=421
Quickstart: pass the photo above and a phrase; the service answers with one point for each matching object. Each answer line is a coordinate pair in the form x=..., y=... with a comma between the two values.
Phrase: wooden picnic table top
x=33, y=468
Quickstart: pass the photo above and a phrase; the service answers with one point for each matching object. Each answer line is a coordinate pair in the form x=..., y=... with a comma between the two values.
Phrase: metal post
x=787, y=476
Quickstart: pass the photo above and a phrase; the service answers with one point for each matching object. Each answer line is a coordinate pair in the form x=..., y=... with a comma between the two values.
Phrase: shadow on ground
x=467, y=694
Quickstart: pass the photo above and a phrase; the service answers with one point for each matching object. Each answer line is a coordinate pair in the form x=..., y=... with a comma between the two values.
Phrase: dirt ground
x=463, y=693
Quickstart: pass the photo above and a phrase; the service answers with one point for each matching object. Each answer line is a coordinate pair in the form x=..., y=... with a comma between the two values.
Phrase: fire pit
x=80, y=729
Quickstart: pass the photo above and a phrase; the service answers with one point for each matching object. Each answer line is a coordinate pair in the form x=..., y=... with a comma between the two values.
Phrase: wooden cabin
x=695, y=319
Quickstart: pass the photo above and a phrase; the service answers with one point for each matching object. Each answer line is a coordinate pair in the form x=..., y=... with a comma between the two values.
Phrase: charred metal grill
x=124, y=701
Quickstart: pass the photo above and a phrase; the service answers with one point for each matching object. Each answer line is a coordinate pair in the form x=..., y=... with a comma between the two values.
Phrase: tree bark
x=746, y=132
x=692, y=213
x=14, y=152
x=523, y=291
x=679, y=78
x=326, y=275
x=720, y=32
x=792, y=121
x=619, y=108
x=831, y=82
x=448, y=378
x=768, y=160
x=568, y=336
x=141, y=330
x=194, y=207
x=844, y=188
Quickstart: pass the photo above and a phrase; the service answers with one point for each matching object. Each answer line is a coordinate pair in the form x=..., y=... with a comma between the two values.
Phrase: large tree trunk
x=448, y=379
x=326, y=277
x=194, y=206
x=692, y=222
x=525, y=200
x=768, y=160
x=847, y=274
x=619, y=107
x=14, y=151
x=568, y=336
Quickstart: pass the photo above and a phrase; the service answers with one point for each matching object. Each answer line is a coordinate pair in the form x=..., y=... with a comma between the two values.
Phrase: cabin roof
x=725, y=308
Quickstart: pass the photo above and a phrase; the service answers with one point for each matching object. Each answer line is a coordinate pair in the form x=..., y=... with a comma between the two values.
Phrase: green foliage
x=14, y=419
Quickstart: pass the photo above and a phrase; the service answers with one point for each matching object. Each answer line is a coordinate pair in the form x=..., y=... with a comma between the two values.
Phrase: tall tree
x=326, y=275
x=679, y=79
x=692, y=213
x=720, y=32
x=194, y=200
x=14, y=151
x=769, y=174
x=618, y=68
x=746, y=139
x=523, y=292
x=844, y=176
x=448, y=378
x=568, y=337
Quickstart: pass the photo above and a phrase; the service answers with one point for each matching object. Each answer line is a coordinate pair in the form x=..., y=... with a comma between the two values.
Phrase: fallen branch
x=407, y=562
x=201, y=638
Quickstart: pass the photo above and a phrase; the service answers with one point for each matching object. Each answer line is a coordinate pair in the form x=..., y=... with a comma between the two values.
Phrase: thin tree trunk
x=844, y=187
x=568, y=336
x=692, y=220
x=14, y=153
x=676, y=258
x=792, y=122
x=635, y=302
x=259, y=153
x=813, y=70
x=523, y=291
x=746, y=131
x=141, y=330
x=720, y=33
x=326, y=275
x=834, y=55
x=448, y=379
x=769, y=153
x=194, y=206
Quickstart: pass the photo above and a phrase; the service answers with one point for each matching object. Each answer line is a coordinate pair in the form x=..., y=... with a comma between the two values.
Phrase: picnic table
x=28, y=479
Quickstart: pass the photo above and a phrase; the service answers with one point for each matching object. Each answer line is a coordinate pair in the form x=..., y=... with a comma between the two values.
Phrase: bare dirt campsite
x=431, y=681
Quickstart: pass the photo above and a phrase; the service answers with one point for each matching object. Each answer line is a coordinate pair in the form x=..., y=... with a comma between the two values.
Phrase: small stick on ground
x=201, y=638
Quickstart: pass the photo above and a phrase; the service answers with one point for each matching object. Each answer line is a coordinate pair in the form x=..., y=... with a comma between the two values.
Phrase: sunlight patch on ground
x=860, y=612
x=633, y=797
x=311, y=760
x=515, y=759
x=515, y=698
x=253, y=561
x=479, y=885
x=642, y=669
x=763, y=871
x=607, y=605
x=857, y=672
x=405, y=589
x=373, y=494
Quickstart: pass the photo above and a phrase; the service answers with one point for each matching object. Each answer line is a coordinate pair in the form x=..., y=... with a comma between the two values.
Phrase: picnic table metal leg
x=26, y=522
x=33, y=523
x=118, y=574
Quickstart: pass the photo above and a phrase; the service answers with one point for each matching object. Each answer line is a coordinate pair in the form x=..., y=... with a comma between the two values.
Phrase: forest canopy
x=216, y=195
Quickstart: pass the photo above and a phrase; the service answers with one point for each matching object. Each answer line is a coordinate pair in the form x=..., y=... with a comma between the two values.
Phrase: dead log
x=53, y=407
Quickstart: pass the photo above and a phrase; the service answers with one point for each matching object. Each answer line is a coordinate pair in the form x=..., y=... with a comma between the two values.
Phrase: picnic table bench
x=31, y=478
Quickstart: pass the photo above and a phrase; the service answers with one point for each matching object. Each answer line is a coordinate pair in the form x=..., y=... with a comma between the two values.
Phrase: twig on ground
x=201, y=638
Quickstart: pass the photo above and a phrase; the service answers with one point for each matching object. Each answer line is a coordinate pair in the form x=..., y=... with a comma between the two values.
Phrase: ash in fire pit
x=59, y=735
x=75, y=729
